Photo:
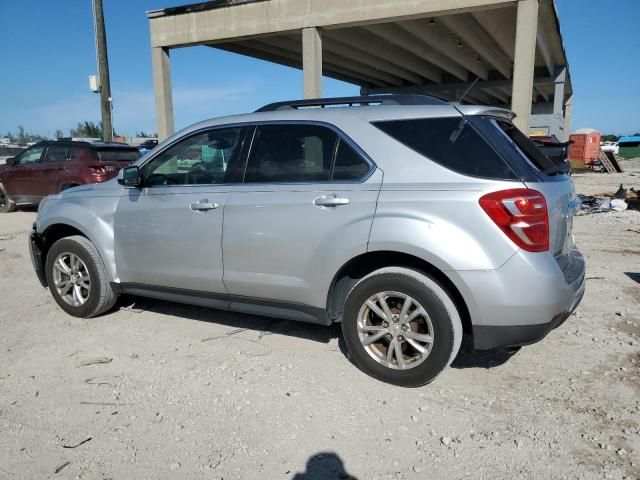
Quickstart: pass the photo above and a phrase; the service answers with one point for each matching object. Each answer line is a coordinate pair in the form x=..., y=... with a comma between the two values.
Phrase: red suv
x=52, y=166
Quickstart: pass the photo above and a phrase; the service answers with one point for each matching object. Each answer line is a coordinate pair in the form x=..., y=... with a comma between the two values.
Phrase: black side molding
x=233, y=303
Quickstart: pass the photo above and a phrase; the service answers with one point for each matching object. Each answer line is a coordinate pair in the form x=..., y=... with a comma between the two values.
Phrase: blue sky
x=47, y=53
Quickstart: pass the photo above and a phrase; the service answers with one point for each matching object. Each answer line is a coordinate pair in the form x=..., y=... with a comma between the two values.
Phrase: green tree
x=59, y=134
x=87, y=129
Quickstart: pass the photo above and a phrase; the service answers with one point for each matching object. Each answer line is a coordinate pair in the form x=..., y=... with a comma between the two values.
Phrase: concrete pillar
x=524, y=62
x=558, y=94
x=162, y=88
x=567, y=117
x=312, y=62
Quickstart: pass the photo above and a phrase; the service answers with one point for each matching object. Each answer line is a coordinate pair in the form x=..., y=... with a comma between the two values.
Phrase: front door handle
x=334, y=200
x=203, y=206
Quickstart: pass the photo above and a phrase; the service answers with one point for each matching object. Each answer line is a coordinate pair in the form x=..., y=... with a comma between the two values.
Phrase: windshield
x=118, y=155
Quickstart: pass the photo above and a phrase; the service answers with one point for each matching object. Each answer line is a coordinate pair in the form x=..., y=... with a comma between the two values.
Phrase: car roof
x=94, y=145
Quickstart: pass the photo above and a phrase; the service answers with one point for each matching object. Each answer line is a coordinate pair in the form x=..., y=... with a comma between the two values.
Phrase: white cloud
x=134, y=109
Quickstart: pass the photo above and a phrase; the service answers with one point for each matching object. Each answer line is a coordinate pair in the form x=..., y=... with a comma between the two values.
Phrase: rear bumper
x=35, y=251
x=521, y=302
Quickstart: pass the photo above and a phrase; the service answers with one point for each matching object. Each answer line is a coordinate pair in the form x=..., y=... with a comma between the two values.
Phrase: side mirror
x=10, y=161
x=130, y=176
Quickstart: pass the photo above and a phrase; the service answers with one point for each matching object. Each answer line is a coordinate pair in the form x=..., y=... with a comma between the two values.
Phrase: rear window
x=118, y=155
x=525, y=145
x=453, y=143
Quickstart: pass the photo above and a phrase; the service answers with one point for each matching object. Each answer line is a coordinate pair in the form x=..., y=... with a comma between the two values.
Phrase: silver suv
x=406, y=219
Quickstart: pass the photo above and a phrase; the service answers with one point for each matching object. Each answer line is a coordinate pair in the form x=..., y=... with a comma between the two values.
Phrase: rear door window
x=451, y=142
x=81, y=154
x=349, y=164
x=291, y=153
x=56, y=154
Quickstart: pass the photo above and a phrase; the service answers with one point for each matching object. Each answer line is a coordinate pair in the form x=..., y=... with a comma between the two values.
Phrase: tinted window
x=451, y=142
x=349, y=165
x=31, y=155
x=118, y=155
x=203, y=158
x=56, y=153
x=81, y=154
x=526, y=146
x=291, y=153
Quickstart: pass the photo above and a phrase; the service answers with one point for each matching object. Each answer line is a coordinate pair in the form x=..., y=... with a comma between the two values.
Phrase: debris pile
x=619, y=201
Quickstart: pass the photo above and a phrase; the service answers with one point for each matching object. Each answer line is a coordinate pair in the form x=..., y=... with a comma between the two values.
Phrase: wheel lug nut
x=388, y=336
x=385, y=324
x=404, y=328
x=401, y=338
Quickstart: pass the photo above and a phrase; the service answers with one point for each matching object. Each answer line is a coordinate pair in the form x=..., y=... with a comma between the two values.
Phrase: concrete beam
x=162, y=88
x=541, y=91
x=504, y=85
x=439, y=38
x=558, y=92
x=544, y=50
x=312, y=62
x=470, y=31
x=524, y=62
x=360, y=52
x=260, y=18
x=568, y=106
x=500, y=25
x=353, y=65
x=402, y=38
x=289, y=59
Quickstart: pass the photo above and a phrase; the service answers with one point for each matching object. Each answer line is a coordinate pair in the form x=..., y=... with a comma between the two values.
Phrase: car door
x=51, y=170
x=305, y=208
x=169, y=232
x=23, y=177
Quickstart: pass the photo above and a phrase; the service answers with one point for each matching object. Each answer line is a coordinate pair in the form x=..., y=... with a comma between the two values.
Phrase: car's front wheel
x=6, y=204
x=401, y=326
x=78, y=278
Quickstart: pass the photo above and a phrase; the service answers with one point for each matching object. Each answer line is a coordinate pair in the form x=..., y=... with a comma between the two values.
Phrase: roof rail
x=397, y=99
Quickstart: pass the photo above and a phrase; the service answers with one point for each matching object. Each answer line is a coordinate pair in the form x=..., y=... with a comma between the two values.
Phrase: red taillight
x=521, y=213
x=98, y=171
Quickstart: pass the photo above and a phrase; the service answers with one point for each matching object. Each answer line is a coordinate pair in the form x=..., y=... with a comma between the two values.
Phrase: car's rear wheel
x=6, y=204
x=401, y=326
x=77, y=278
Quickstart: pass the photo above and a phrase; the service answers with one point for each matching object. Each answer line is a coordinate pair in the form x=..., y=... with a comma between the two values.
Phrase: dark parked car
x=148, y=145
x=53, y=166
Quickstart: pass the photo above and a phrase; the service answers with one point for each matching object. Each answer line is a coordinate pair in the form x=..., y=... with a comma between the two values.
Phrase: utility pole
x=103, y=70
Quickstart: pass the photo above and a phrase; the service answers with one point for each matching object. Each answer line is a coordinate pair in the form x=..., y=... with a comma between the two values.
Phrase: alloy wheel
x=71, y=279
x=395, y=330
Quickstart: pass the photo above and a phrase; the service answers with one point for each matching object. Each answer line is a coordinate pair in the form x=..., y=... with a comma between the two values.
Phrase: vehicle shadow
x=635, y=276
x=470, y=358
x=243, y=321
x=324, y=466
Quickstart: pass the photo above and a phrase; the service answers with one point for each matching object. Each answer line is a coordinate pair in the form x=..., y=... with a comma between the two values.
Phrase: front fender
x=93, y=216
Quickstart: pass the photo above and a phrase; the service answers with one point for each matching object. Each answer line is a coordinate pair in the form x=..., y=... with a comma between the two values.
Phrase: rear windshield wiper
x=563, y=167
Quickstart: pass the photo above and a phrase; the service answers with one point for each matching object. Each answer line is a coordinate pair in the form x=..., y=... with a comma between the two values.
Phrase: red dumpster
x=585, y=147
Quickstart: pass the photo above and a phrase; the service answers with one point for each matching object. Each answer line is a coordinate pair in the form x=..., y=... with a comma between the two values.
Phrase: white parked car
x=610, y=147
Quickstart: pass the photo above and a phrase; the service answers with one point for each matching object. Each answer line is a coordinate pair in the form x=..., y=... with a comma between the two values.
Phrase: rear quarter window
x=118, y=155
x=451, y=142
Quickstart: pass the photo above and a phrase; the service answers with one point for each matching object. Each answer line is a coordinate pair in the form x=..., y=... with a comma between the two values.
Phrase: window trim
x=46, y=152
x=466, y=118
x=340, y=136
x=247, y=147
x=243, y=154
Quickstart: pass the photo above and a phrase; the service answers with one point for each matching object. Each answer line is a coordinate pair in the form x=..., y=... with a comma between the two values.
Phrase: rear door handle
x=334, y=200
x=203, y=206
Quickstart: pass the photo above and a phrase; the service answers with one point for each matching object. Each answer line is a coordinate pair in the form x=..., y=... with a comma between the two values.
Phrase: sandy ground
x=195, y=393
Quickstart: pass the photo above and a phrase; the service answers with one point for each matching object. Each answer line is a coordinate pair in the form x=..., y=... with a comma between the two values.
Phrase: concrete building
x=501, y=52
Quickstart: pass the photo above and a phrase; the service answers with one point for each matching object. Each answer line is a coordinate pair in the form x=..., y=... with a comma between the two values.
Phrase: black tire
x=101, y=296
x=429, y=293
x=6, y=204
